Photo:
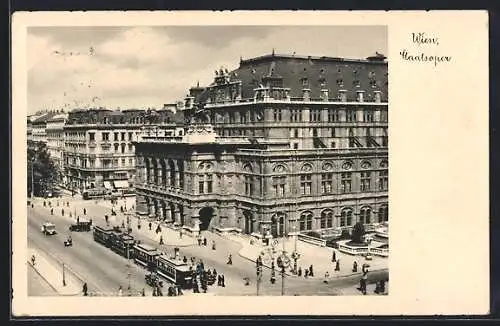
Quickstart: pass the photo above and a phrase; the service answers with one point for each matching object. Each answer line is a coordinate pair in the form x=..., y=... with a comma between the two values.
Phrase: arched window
x=306, y=221
x=365, y=215
x=346, y=217
x=279, y=182
x=326, y=219
x=383, y=214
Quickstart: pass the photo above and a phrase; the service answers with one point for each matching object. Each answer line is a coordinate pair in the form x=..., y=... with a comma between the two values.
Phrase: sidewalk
x=52, y=272
x=319, y=257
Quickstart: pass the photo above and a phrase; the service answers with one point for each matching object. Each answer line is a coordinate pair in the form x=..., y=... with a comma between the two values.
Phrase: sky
x=141, y=67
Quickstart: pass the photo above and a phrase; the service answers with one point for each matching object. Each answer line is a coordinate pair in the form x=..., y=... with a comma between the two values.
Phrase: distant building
x=99, y=149
x=38, y=127
x=54, y=131
x=281, y=144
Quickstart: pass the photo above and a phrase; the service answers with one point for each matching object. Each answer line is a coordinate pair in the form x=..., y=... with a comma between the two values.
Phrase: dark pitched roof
x=44, y=118
x=315, y=72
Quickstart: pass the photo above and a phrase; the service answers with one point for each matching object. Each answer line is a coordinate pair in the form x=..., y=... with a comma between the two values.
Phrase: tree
x=357, y=233
x=43, y=167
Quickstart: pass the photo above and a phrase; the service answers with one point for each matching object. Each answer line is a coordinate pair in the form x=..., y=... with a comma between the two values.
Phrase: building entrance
x=206, y=215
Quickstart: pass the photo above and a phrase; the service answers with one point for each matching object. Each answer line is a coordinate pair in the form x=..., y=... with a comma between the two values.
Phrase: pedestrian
x=355, y=267
x=213, y=244
x=180, y=233
x=67, y=204
x=123, y=224
x=158, y=229
x=327, y=275
x=85, y=289
x=77, y=219
x=311, y=271
x=58, y=203
x=230, y=260
x=90, y=221
x=150, y=226
x=184, y=260
x=62, y=212
x=33, y=260
x=51, y=211
x=106, y=218
x=161, y=239
x=204, y=241
x=143, y=292
x=120, y=291
x=84, y=211
x=334, y=256
x=50, y=204
x=44, y=203
x=337, y=266
x=223, y=281
x=32, y=205
x=306, y=273
x=218, y=280
x=199, y=241
x=299, y=272
x=214, y=272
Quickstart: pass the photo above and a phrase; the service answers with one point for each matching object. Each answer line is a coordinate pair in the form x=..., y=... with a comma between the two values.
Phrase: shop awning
x=121, y=184
x=107, y=185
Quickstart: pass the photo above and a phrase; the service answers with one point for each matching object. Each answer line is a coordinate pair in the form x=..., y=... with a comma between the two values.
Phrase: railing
x=294, y=152
x=311, y=240
x=380, y=252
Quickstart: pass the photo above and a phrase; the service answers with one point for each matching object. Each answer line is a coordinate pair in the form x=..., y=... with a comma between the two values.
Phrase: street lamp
x=63, y=275
x=259, y=272
x=283, y=261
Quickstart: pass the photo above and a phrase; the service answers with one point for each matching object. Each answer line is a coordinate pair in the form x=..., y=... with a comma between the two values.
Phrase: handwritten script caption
x=421, y=39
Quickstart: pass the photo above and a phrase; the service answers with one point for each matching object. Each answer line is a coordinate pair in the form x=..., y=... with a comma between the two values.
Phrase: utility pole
x=63, y=275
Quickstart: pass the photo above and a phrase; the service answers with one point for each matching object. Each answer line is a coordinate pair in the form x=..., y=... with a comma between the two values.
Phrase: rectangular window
x=130, y=135
x=123, y=162
x=351, y=115
x=305, y=184
x=231, y=117
x=315, y=115
x=116, y=136
x=368, y=116
x=326, y=183
x=243, y=117
x=365, y=181
x=248, y=185
x=105, y=136
x=296, y=133
x=383, y=180
x=277, y=114
x=345, y=186
x=333, y=132
x=123, y=136
x=279, y=186
x=130, y=162
x=92, y=136
x=209, y=184
x=201, y=187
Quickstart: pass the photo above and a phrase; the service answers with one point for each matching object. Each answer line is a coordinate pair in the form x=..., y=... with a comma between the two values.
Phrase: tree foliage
x=357, y=232
x=43, y=167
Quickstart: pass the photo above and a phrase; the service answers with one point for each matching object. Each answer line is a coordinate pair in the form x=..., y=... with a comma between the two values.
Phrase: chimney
x=324, y=95
x=306, y=94
x=342, y=95
x=359, y=96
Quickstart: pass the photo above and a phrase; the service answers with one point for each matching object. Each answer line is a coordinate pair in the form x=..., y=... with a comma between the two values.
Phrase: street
x=105, y=271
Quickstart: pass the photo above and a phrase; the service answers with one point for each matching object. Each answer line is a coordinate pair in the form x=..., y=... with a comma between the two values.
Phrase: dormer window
x=340, y=82
x=373, y=83
x=356, y=83
x=305, y=82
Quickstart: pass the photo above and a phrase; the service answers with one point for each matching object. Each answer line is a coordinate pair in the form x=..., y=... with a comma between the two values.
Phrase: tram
x=102, y=235
x=145, y=256
x=174, y=271
x=122, y=244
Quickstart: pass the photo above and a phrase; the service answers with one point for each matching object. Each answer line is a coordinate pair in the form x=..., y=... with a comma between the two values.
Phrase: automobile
x=48, y=228
x=81, y=226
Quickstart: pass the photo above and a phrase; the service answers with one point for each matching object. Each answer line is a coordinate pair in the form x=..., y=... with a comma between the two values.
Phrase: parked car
x=48, y=228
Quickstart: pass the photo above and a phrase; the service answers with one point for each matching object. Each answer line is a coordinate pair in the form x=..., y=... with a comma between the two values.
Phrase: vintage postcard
x=245, y=163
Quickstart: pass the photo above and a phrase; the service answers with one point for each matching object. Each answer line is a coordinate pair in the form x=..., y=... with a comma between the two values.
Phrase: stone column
x=167, y=171
x=177, y=175
x=152, y=211
x=161, y=211
x=177, y=214
x=160, y=173
x=151, y=171
x=168, y=213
